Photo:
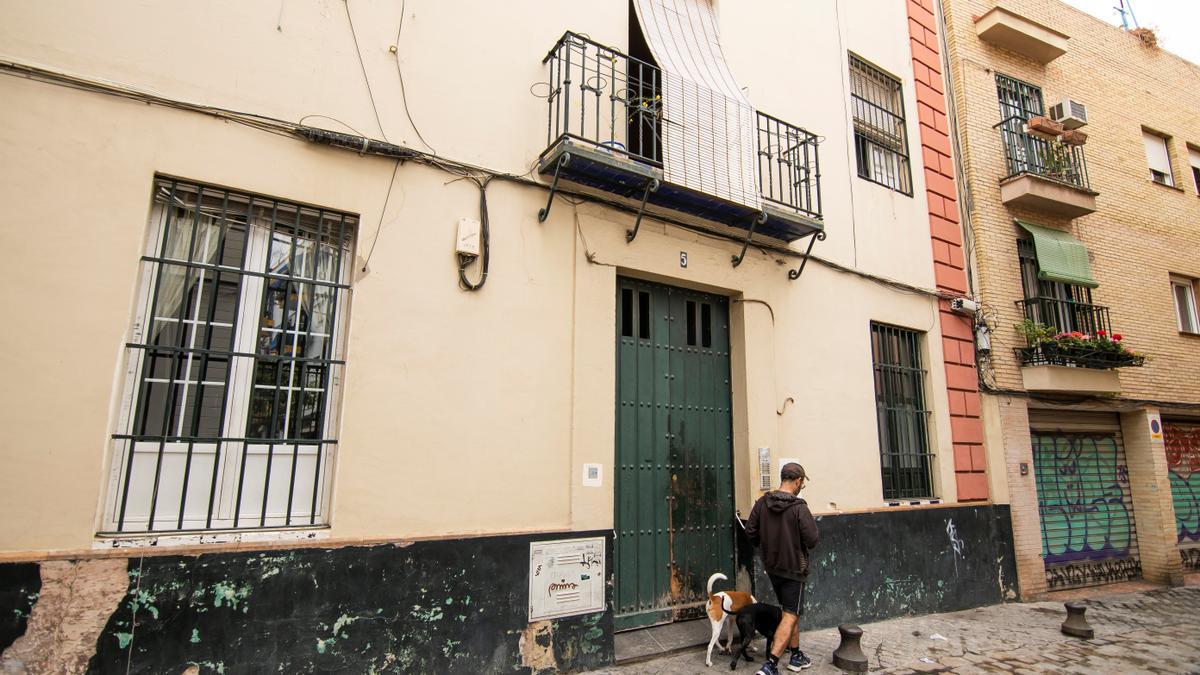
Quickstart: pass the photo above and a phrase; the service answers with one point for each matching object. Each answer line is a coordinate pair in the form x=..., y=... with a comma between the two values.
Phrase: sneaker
x=768, y=668
x=799, y=661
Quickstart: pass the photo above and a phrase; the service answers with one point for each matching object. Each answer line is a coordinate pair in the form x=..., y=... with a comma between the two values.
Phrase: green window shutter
x=1060, y=256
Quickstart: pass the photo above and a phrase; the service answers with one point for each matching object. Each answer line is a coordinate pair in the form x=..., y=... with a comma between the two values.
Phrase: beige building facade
x=330, y=309
x=1080, y=252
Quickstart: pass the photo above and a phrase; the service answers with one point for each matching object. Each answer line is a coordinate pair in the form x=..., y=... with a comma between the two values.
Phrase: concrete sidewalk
x=1143, y=631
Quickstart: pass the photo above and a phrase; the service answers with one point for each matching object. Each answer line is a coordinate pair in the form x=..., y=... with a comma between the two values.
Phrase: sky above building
x=1174, y=21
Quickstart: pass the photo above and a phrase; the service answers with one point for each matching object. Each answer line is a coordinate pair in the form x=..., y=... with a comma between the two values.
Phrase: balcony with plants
x=613, y=127
x=1046, y=167
x=1071, y=347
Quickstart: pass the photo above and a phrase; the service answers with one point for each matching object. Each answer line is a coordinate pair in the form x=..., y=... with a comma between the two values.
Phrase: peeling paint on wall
x=537, y=648
x=75, y=601
x=424, y=607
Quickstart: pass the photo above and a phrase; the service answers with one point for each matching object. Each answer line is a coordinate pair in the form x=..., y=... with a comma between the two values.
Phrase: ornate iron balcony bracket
x=562, y=161
x=759, y=219
x=651, y=186
x=816, y=236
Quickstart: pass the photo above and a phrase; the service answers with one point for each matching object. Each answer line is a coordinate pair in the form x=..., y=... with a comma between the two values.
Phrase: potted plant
x=1056, y=158
x=1099, y=350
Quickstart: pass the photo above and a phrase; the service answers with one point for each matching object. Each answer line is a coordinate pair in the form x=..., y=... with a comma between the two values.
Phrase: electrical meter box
x=566, y=577
x=468, y=237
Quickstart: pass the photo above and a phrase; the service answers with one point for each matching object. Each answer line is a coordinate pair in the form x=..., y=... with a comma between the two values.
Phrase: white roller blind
x=1156, y=153
x=709, y=127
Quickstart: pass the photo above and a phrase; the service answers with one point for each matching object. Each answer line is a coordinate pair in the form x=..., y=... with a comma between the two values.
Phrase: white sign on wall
x=566, y=577
x=593, y=475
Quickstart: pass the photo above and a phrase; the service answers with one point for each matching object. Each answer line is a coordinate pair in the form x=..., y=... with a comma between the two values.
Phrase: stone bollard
x=849, y=654
x=1076, y=625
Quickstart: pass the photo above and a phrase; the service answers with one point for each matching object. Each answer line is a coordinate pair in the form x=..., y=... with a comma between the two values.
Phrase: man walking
x=783, y=528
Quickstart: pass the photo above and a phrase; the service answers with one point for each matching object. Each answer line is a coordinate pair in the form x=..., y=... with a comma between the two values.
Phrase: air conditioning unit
x=1072, y=114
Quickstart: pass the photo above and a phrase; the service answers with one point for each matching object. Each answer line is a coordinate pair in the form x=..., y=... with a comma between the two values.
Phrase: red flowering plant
x=1100, y=349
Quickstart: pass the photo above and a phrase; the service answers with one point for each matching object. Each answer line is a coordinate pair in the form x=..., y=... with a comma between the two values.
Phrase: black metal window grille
x=1061, y=306
x=901, y=414
x=1027, y=153
x=603, y=97
x=1019, y=100
x=880, y=139
x=227, y=420
x=1065, y=307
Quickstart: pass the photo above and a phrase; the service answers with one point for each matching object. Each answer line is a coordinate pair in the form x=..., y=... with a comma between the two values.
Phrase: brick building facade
x=1095, y=447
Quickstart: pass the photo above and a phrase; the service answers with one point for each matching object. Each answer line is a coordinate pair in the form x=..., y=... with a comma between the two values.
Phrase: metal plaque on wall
x=566, y=577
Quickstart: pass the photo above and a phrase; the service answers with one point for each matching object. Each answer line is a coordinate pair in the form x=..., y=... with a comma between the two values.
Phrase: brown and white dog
x=719, y=606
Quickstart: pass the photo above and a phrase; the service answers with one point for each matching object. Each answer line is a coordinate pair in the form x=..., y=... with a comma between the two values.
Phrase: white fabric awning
x=709, y=128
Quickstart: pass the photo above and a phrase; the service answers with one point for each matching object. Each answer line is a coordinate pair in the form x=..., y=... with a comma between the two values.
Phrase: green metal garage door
x=674, y=482
x=1085, y=506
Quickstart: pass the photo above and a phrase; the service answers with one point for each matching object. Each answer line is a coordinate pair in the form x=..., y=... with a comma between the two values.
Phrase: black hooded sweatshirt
x=781, y=525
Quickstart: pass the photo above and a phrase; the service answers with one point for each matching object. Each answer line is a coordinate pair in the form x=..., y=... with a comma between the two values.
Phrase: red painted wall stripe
x=962, y=383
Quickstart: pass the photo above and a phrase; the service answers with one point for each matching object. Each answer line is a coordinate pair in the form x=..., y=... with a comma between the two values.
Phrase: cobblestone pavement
x=1155, y=631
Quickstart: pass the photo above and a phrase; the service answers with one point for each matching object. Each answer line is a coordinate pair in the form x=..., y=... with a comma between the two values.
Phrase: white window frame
x=1158, y=157
x=1185, y=313
x=1194, y=160
x=237, y=402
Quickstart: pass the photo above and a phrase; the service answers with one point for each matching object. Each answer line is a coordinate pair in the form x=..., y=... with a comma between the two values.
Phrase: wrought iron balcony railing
x=789, y=172
x=604, y=98
x=1026, y=153
x=1065, y=316
x=1069, y=316
x=605, y=129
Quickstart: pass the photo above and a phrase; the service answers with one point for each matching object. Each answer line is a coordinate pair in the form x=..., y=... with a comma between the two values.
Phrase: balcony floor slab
x=1068, y=380
x=626, y=177
x=1047, y=195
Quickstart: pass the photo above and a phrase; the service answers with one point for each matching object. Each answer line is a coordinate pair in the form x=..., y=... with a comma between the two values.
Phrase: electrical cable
x=364, y=145
x=379, y=227
x=756, y=301
x=837, y=13
x=484, y=244
x=400, y=74
x=363, y=66
x=331, y=119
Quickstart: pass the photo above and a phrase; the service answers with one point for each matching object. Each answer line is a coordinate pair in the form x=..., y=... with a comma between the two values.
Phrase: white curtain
x=709, y=127
x=180, y=246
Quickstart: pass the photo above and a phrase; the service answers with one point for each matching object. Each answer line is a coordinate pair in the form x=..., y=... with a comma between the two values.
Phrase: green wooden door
x=674, y=479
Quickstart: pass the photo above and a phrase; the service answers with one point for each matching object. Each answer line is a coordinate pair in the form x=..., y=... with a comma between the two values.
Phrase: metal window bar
x=186, y=358
x=1064, y=316
x=902, y=417
x=880, y=136
x=1064, y=307
x=604, y=78
x=1018, y=99
x=612, y=101
x=1026, y=153
x=789, y=171
x=1037, y=287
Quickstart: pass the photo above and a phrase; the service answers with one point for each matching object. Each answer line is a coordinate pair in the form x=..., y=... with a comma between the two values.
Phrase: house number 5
x=683, y=258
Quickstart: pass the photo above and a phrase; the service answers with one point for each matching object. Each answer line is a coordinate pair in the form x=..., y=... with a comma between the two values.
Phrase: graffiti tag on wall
x=1071, y=575
x=1182, y=443
x=1190, y=558
x=1083, y=488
